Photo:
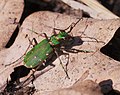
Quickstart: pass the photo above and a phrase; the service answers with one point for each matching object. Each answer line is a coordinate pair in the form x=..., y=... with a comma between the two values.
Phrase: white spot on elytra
x=43, y=64
x=31, y=66
x=47, y=54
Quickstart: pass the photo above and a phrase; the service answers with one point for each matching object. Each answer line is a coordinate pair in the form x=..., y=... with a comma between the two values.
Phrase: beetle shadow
x=107, y=88
x=11, y=87
x=19, y=72
x=76, y=41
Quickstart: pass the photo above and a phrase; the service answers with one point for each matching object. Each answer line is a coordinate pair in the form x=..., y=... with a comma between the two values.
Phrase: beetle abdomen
x=38, y=54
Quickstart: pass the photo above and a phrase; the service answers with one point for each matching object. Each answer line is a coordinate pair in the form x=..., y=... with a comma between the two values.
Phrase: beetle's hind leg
x=65, y=69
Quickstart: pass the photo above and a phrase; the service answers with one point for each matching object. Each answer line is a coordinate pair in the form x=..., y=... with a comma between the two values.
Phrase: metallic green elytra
x=38, y=54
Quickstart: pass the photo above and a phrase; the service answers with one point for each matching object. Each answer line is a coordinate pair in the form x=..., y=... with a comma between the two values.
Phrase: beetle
x=41, y=51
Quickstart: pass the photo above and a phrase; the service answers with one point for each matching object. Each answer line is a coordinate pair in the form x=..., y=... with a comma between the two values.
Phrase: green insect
x=38, y=54
x=44, y=49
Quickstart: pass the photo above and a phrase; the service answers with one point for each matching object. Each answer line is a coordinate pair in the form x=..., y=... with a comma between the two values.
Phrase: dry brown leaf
x=80, y=87
x=10, y=13
x=86, y=87
x=100, y=67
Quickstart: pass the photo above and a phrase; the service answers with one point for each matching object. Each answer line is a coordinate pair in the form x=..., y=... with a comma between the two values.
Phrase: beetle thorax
x=55, y=39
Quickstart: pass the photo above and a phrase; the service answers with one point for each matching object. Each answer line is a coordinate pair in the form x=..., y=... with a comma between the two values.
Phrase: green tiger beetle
x=40, y=52
x=37, y=56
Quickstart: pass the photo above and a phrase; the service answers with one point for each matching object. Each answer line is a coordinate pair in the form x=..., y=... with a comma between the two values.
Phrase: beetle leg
x=31, y=42
x=45, y=36
x=67, y=61
x=54, y=32
x=19, y=57
x=71, y=26
x=62, y=65
x=33, y=71
x=25, y=51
